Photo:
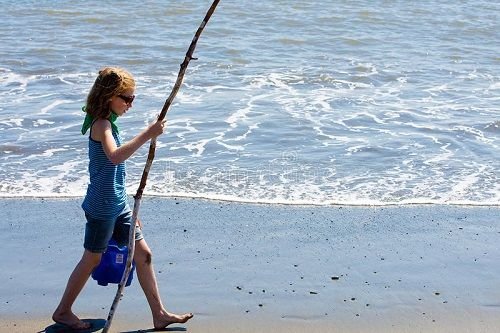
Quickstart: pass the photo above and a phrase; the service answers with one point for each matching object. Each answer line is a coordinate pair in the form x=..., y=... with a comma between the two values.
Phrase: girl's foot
x=167, y=318
x=70, y=320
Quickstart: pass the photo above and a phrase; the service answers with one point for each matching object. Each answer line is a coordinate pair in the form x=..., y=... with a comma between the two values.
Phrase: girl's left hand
x=139, y=223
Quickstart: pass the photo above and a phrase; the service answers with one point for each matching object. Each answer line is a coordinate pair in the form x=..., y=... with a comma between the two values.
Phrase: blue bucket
x=112, y=265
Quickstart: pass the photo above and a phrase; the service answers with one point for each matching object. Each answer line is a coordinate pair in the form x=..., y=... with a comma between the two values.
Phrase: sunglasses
x=127, y=99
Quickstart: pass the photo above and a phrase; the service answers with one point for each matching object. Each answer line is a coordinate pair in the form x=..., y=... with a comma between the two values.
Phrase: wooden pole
x=149, y=162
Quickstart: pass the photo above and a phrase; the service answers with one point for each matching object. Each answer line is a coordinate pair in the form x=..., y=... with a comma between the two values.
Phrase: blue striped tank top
x=106, y=194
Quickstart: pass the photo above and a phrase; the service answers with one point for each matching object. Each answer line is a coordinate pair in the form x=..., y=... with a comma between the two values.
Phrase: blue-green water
x=315, y=102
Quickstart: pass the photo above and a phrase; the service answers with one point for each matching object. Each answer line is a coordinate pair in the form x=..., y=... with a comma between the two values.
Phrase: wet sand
x=268, y=268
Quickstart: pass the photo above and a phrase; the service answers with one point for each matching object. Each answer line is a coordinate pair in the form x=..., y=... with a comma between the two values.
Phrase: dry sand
x=268, y=268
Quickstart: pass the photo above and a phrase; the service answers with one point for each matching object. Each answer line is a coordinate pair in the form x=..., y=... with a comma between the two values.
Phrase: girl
x=105, y=205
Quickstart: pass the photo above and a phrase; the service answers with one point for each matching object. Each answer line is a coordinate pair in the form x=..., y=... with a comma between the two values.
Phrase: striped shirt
x=106, y=194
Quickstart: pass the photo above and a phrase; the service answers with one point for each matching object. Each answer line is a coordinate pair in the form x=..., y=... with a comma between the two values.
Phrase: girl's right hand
x=156, y=128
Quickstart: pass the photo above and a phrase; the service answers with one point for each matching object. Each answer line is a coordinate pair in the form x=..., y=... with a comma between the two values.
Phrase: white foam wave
x=41, y=122
x=198, y=146
x=268, y=187
x=479, y=135
x=14, y=122
x=239, y=115
x=13, y=83
x=53, y=105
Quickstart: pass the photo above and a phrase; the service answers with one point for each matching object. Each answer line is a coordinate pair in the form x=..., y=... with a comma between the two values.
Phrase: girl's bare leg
x=63, y=313
x=145, y=273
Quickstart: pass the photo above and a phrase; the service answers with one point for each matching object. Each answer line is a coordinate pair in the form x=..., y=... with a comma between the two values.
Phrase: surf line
x=149, y=162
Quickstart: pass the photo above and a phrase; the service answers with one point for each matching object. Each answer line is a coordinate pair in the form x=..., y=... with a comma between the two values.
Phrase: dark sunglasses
x=127, y=99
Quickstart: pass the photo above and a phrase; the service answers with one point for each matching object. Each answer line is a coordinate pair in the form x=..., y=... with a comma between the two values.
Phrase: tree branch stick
x=149, y=162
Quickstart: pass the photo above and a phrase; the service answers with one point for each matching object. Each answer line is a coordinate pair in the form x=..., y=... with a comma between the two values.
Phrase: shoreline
x=256, y=267
x=237, y=201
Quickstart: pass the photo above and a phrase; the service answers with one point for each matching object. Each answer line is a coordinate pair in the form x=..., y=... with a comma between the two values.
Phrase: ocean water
x=296, y=102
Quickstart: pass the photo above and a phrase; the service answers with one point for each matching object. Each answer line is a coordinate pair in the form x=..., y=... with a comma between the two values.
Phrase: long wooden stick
x=149, y=162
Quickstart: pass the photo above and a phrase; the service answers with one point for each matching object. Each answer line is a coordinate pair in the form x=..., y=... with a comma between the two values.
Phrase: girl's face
x=121, y=103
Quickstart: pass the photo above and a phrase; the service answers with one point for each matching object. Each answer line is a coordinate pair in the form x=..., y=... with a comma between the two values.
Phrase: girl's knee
x=91, y=259
x=144, y=256
x=149, y=258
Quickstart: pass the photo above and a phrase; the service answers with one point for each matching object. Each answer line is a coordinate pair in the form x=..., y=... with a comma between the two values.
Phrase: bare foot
x=167, y=318
x=70, y=320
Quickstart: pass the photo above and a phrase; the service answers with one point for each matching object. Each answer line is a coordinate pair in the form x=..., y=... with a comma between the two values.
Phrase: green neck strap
x=87, y=123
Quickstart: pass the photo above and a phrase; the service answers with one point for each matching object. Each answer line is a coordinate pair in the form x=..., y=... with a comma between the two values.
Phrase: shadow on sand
x=97, y=325
x=168, y=329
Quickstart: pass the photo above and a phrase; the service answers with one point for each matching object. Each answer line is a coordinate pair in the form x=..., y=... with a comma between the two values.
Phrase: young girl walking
x=105, y=205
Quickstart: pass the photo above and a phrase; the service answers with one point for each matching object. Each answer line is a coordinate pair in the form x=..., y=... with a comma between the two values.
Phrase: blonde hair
x=110, y=82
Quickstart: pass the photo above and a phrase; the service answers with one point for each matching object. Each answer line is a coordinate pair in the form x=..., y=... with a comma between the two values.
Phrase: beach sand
x=268, y=268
